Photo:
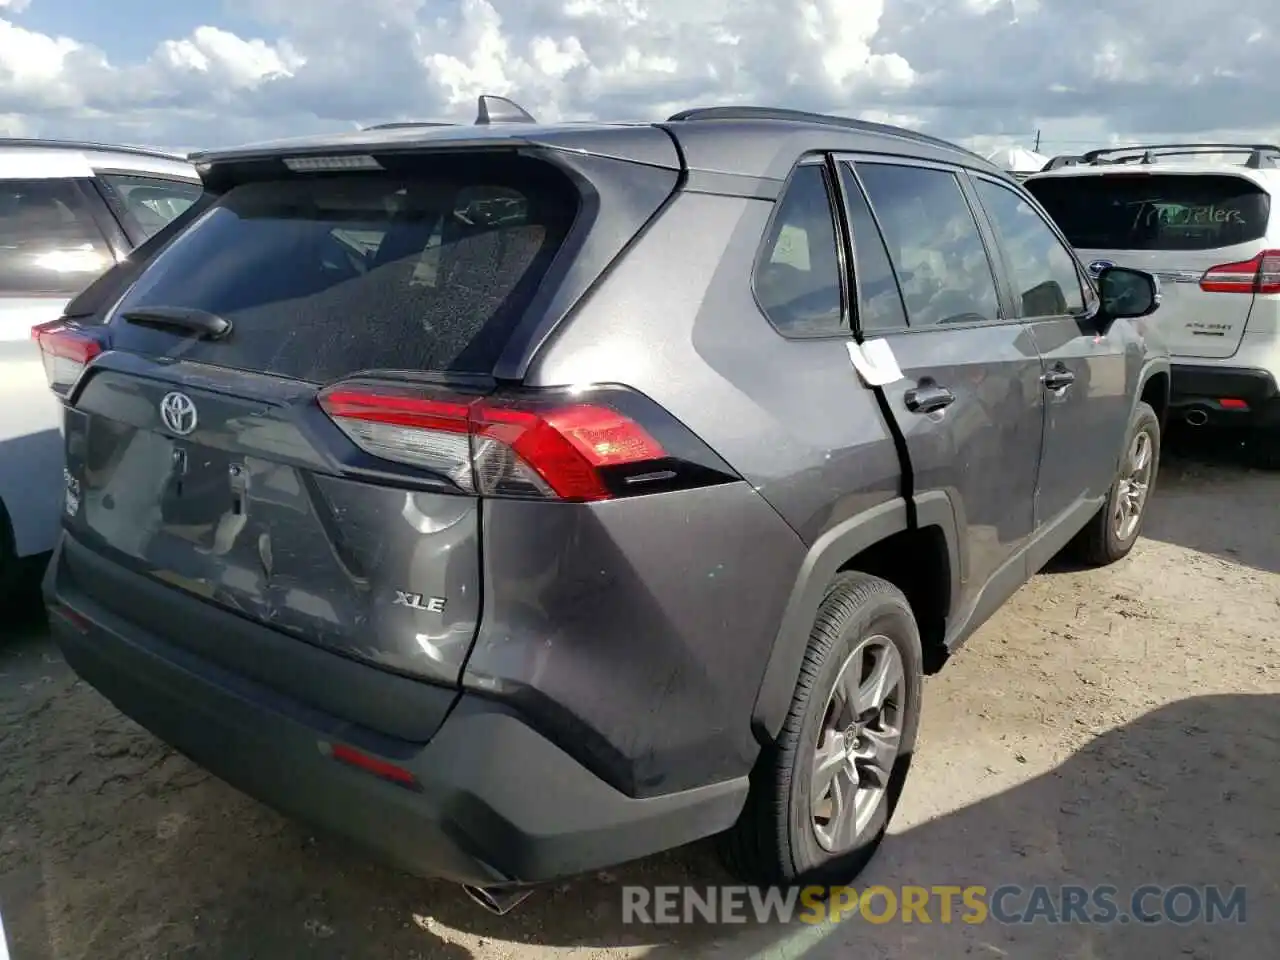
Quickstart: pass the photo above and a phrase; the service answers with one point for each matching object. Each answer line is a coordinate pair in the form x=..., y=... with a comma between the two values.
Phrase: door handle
x=1058, y=378
x=928, y=397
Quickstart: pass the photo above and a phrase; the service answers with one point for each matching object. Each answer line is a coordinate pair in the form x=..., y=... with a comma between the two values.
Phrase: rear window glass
x=151, y=202
x=1159, y=211
x=322, y=276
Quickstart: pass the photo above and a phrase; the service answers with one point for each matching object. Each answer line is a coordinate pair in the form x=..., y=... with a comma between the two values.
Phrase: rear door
x=201, y=459
x=1180, y=226
x=970, y=402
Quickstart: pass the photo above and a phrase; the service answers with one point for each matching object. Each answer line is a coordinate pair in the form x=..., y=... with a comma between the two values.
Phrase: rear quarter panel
x=649, y=623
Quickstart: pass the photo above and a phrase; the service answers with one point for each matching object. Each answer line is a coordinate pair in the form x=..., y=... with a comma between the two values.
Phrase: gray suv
x=518, y=500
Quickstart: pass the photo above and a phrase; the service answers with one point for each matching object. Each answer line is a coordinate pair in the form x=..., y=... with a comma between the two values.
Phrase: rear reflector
x=379, y=768
x=582, y=447
x=1233, y=403
x=69, y=617
x=1261, y=274
x=66, y=353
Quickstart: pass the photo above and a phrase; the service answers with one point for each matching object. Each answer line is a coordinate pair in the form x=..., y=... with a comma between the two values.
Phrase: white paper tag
x=875, y=362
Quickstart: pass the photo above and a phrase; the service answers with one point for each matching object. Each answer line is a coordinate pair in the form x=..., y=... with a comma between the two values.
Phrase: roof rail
x=1064, y=160
x=804, y=116
x=1259, y=154
x=90, y=145
x=491, y=109
x=407, y=124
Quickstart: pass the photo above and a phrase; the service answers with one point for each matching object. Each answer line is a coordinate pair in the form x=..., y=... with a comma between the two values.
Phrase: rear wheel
x=1265, y=447
x=1113, y=531
x=19, y=576
x=822, y=796
x=9, y=564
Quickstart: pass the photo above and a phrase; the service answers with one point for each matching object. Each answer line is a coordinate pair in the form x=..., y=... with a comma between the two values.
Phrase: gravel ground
x=1106, y=727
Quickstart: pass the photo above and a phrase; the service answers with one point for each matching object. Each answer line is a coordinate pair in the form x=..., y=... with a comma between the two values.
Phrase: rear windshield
x=321, y=276
x=1155, y=211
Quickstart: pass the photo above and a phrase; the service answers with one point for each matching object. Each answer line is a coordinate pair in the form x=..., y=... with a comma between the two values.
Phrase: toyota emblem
x=178, y=413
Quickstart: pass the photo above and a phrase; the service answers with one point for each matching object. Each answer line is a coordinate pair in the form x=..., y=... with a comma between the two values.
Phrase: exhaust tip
x=1196, y=418
x=497, y=901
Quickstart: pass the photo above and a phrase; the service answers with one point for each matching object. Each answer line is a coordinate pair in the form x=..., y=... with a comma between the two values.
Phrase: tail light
x=595, y=444
x=1259, y=275
x=66, y=351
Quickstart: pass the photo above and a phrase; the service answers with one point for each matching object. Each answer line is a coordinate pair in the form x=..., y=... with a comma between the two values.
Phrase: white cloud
x=987, y=69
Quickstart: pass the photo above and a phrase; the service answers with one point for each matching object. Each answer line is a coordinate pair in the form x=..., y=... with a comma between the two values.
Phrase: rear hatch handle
x=209, y=326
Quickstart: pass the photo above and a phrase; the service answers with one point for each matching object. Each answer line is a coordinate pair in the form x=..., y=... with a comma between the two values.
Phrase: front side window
x=797, y=280
x=933, y=240
x=49, y=242
x=1044, y=271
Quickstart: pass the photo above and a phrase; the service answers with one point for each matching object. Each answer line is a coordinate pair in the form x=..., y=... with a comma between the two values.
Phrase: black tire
x=9, y=564
x=1265, y=448
x=1100, y=543
x=774, y=840
x=19, y=577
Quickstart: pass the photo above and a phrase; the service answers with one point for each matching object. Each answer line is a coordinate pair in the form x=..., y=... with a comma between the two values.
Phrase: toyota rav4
x=518, y=500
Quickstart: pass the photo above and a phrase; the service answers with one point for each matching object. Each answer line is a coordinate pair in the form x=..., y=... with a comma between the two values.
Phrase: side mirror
x=1127, y=293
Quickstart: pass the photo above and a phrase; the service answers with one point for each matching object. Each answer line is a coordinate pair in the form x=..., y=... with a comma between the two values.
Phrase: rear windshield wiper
x=209, y=326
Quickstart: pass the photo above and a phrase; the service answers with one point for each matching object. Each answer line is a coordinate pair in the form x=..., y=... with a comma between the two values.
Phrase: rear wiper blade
x=208, y=326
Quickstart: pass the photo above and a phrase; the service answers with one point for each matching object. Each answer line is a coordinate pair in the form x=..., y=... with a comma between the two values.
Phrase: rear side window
x=148, y=203
x=797, y=280
x=934, y=243
x=322, y=276
x=879, y=301
x=1155, y=211
x=49, y=242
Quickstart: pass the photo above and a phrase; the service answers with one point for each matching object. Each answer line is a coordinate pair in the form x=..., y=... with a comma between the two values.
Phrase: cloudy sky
x=192, y=73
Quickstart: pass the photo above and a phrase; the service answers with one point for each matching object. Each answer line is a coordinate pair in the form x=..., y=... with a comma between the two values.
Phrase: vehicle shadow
x=1187, y=794
x=1210, y=500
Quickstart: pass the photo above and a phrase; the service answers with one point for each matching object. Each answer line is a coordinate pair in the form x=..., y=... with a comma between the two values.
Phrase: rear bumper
x=494, y=802
x=1226, y=397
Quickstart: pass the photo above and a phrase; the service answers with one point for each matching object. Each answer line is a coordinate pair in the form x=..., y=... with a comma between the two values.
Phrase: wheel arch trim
x=828, y=554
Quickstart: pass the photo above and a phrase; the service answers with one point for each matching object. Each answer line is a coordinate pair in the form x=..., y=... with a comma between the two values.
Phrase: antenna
x=493, y=109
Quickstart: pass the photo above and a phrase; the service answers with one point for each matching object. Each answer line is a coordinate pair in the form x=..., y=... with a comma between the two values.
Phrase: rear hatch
x=290, y=414
x=1202, y=234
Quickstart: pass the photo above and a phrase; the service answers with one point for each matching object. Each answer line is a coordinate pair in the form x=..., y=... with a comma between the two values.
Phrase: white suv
x=68, y=211
x=1198, y=216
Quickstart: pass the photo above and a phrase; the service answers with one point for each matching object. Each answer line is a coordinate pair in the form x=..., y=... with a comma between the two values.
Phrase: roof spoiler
x=1259, y=155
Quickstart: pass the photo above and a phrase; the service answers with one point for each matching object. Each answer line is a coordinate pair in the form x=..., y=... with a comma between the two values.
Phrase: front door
x=1085, y=382
x=969, y=404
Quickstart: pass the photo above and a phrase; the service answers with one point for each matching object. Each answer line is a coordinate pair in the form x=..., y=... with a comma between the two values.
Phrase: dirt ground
x=1107, y=727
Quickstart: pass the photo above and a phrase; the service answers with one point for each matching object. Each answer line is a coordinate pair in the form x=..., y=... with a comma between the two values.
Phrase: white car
x=1200, y=217
x=68, y=211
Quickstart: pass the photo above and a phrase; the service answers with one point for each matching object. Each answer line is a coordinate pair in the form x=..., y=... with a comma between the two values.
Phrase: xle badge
x=416, y=601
